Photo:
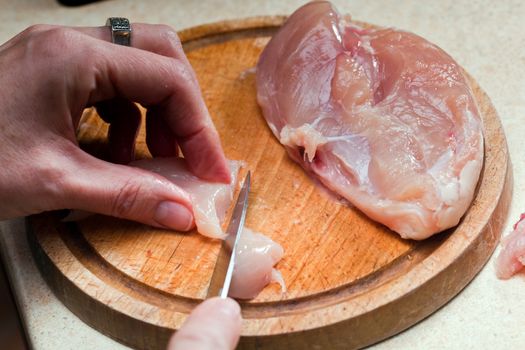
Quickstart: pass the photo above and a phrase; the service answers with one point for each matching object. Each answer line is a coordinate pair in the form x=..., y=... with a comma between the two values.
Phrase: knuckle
x=165, y=29
x=126, y=199
x=182, y=72
x=60, y=36
x=35, y=29
x=51, y=43
x=171, y=36
x=53, y=47
x=167, y=41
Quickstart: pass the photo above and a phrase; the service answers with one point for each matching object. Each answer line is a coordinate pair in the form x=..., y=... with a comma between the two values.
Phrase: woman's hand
x=48, y=75
x=213, y=325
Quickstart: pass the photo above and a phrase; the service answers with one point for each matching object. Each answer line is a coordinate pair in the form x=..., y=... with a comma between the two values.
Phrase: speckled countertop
x=486, y=37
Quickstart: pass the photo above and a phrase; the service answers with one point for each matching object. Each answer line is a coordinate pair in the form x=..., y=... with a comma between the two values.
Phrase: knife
x=223, y=272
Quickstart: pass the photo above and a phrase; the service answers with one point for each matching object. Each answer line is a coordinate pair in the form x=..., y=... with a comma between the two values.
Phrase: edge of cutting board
x=341, y=319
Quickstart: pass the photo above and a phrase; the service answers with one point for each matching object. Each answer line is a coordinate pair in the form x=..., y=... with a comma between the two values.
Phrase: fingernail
x=174, y=215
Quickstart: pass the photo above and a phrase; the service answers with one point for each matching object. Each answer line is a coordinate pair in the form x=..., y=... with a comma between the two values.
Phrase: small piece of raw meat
x=256, y=257
x=511, y=259
x=382, y=117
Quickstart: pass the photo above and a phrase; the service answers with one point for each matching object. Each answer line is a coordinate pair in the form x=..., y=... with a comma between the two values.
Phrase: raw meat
x=256, y=256
x=210, y=200
x=511, y=259
x=256, y=253
x=382, y=117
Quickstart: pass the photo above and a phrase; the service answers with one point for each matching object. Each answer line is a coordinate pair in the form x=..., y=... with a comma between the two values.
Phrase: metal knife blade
x=223, y=272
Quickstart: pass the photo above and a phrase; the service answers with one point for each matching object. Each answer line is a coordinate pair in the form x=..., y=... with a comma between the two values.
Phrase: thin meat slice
x=382, y=117
x=256, y=253
x=511, y=259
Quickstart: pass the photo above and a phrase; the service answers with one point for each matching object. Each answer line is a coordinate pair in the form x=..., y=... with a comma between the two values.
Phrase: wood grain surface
x=351, y=282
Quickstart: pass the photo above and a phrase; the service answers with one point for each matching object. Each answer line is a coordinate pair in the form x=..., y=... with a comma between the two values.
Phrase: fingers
x=124, y=118
x=168, y=88
x=213, y=325
x=158, y=38
x=126, y=192
x=165, y=87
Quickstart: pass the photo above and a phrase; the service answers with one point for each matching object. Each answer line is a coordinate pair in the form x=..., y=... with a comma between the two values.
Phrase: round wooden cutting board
x=351, y=282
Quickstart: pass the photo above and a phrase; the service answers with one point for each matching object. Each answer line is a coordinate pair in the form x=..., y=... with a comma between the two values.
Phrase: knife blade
x=223, y=272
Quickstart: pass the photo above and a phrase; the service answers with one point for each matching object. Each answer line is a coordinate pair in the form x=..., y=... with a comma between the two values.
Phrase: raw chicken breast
x=382, y=117
x=511, y=259
x=253, y=270
x=210, y=200
x=256, y=253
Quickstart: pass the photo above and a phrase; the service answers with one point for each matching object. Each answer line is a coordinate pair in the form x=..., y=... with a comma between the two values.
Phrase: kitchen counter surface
x=487, y=38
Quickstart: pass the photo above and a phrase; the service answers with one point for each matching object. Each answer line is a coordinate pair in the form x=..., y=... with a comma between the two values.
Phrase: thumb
x=122, y=191
x=213, y=325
